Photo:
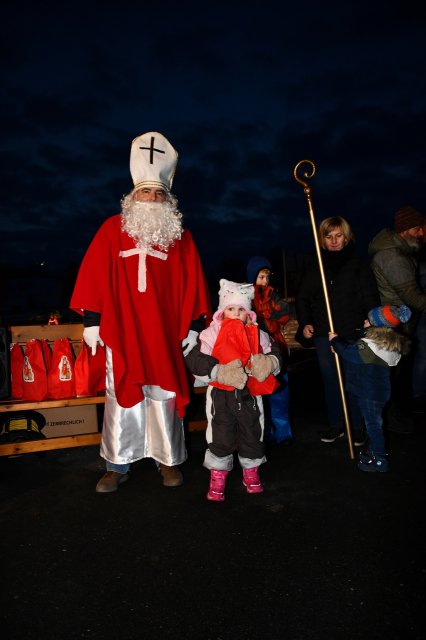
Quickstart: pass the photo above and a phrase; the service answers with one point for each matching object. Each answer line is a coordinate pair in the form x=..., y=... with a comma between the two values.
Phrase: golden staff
x=307, y=192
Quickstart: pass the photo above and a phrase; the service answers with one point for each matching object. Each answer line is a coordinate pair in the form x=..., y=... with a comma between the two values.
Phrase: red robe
x=144, y=330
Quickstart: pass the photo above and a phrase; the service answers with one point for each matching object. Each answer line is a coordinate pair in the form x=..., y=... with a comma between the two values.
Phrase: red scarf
x=237, y=340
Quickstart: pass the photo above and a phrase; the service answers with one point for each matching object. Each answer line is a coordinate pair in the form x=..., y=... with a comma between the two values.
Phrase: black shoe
x=372, y=462
x=358, y=437
x=331, y=435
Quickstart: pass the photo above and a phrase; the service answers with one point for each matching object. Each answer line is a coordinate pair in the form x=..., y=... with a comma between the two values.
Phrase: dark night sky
x=243, y=90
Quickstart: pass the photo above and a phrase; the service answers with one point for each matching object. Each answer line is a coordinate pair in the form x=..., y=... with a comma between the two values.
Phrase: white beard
x=152, y=224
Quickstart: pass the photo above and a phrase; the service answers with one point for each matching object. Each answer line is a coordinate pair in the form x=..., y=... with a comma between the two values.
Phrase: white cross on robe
x=142, y=252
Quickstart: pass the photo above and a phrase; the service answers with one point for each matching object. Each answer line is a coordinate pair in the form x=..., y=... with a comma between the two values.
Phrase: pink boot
x=217, y=485
x=251, y=480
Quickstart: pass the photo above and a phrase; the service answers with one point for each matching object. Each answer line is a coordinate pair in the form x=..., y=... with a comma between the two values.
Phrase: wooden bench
x=23, y=334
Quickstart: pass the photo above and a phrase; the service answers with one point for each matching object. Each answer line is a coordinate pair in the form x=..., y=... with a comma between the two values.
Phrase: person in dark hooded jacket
x=272, y=312
x=352, y=292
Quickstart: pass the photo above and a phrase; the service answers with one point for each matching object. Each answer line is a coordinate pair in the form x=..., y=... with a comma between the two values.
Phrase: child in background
x=272, y=315
x=238, y=362
x=368, y=375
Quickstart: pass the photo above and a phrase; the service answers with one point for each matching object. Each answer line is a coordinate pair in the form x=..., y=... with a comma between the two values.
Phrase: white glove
x=91, y=338
x=189, y=342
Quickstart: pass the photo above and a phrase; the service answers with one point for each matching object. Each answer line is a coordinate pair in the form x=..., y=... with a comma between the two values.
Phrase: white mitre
x=153, y=161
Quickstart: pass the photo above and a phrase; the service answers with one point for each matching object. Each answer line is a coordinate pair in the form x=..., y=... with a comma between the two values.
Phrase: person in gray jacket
x=395, y=266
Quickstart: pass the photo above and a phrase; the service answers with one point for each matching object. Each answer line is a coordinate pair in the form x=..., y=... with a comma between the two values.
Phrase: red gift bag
x=97, y=369
x=16, y=364
x=60, y=378
x=90, y=371
x=47, y=353
x=34, y=373
x=81, y=371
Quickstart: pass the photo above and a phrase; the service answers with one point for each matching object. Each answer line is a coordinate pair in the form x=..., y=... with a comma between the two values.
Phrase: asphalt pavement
x=326, y=552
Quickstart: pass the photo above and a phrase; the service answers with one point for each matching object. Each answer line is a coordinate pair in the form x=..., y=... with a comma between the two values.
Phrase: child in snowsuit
x=273, y=313
x=238, y=362
x=368, y=375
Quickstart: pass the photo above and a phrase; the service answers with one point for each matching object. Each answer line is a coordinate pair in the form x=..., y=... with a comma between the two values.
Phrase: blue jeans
x=333, y=398
x=118, y=468
x=373, y=416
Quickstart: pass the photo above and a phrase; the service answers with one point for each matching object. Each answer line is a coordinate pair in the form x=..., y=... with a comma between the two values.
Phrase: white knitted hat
x=153, y=161
x=235, y=294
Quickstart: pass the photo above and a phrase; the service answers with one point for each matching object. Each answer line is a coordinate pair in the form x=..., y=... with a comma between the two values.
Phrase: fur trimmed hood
x=388, y=339
x=386, y=344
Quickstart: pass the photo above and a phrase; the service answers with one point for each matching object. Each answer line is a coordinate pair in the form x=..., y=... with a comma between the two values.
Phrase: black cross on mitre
x=151, y=150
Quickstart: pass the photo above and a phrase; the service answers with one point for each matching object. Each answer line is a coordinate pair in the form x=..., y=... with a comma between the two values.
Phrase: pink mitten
x=262, y=366
x=232, y=374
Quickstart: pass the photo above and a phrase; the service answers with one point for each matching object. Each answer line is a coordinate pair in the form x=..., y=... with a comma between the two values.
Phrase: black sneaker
x=372, y=462
x=331, y=435
x=358, y=437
